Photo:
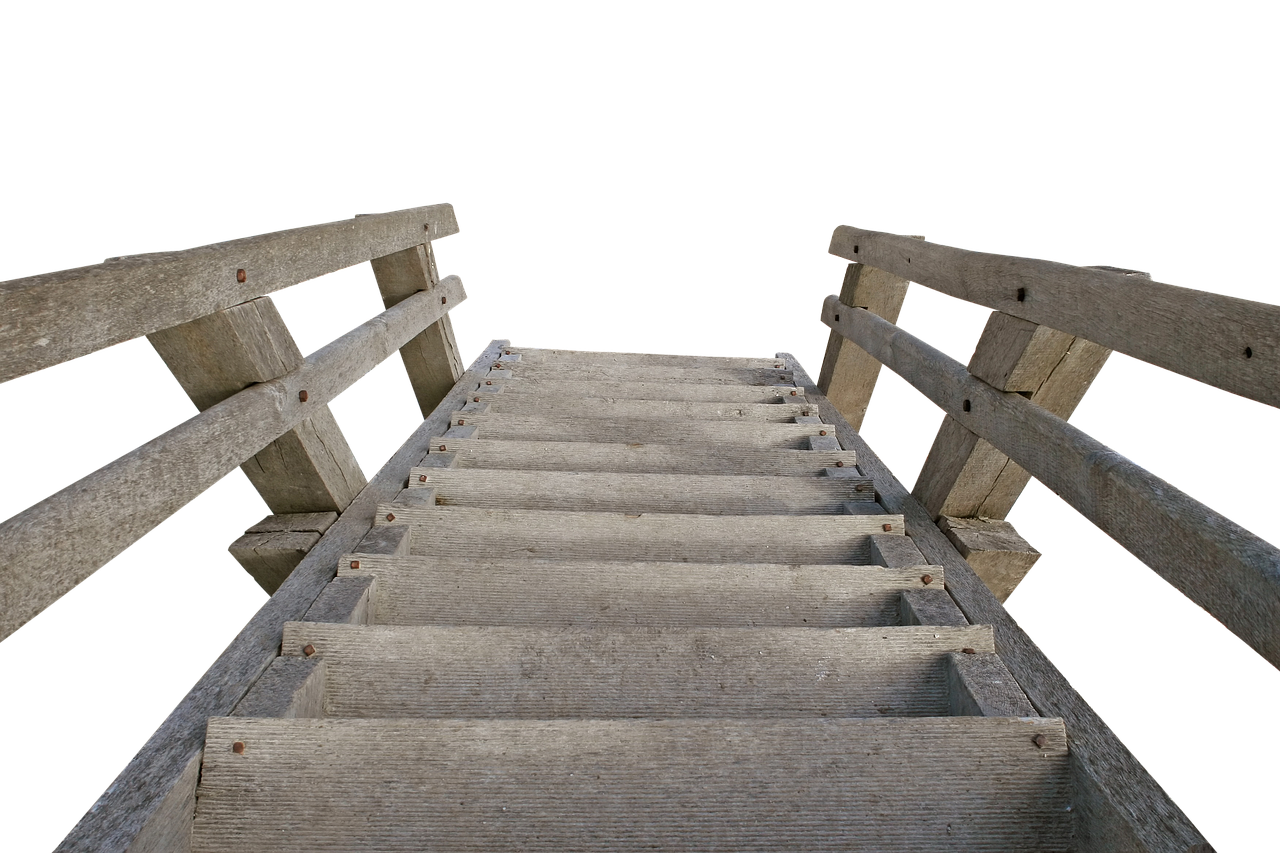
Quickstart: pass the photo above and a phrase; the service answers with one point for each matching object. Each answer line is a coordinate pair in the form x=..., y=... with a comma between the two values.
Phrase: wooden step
x=643, y=431
x=632, y=493
x=541, y=673
x=440, y=590
x=643, y=373
x=637, y=457
x=694, y=392
x=553, y=406
x=499, y=533
x=529, y=355
x=959, y=783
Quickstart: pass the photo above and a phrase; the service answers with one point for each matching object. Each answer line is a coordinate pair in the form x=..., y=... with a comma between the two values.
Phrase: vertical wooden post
x=431, y=358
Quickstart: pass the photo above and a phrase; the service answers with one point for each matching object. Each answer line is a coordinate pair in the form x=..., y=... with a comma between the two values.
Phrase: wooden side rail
x=49, y=548
x=51, y=318
x=1224, y=568
x=1230, y=343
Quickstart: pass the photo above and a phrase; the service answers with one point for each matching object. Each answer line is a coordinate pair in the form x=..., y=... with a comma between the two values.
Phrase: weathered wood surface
x=453, y=590
x=628, y=409
x=49, y=548
x=431, y=358
x=1226, y=342
x=291, y=688
x=273, y=547
x=643, y=373
x=848, y=376
x=636, y=457
x=711, y=494
x=549, y=673
x=529, y=355
x=530, y=389
x=997, y=553
x=345, y=600
x=610, y=785
x=308, y=469
x=1219, y=565
x=930, y=606
x=497, y=533
x=150, y=804
x=982, y=686
x=1118, y=807
x=565, y=427
x=51, y=318
x=895, y=551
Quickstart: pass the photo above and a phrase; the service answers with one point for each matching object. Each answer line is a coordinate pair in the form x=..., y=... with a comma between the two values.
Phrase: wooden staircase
x=635, y=602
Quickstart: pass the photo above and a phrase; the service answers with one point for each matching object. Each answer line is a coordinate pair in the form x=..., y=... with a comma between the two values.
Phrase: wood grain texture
x=51, y=318
x=452, y=590
x=530, y=355
x=895, y=551
x=150, y=798
x=708, y=494
x=593, y=673
x=982, y=686
x=1230, y=343
x=622, y=408
x=49, y=548
x=975, y=784
x=269, y=558
x=1222, y=567
x=997, y=553
x=533, y=389
x=291, y=688
x=565, y=427
x=348, y=600
x=644, y=373
x=635, y=457
x=930, y=606
x=1117, y=805
x=295, y=522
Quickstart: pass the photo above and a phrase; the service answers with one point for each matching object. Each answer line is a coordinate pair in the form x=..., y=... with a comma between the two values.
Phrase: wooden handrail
x=1219, y=565
x=51, y=318
x=1230, y=343
x=52, y=546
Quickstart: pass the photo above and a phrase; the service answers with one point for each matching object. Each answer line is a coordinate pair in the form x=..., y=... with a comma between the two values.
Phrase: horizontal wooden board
x=978, y=784
x=530, y=355
x=638, y=457
x=622, y=408
x=636, y=430
x=615, y=492
x=692, y=391
x=541, y=673
x=647, y=373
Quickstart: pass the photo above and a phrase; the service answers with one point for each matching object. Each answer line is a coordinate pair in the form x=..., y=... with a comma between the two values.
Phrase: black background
x=640, y=264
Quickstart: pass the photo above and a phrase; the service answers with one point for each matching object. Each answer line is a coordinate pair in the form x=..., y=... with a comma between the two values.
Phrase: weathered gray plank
x=1224, y=568
x=150, y=804
x=649, y=536
x=997, y=553
x=431, y=358
x=51, y=318
x=565, y=427
x=978, y=784
x=624, y=408
x=643, y=373
x=269, y=558
x=291, y=688
x=522, y=389
x=1118, y=806
x=894, y=551
x=345, y=600
x=454, y=590
x=594, y=673
x=636, y=457
x=529, y=355
x=52, y=546
x=708, y=494
x=982, y=686
x=930, y=606
x=295, y=522
x=1230, y=343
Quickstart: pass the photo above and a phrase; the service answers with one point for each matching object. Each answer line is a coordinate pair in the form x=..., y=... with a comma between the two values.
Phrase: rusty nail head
x=968, y=651
x=488, y=382
x=793, y=393
x=461, y=422
x=822, y=432
x=308, y=650
x=355, y=564
x=475, y=399
x=391, y=516
x=506, y=352
x=887, y=527
x=1038, y=740
x=444, y=300
x=497, y=365
x=426, y=227
x=442, y=448
x=422, y=478
x=926, y=579
x=777, y=367
x=839, y=463
x=302, y=396
x=241, y=276
x=238, y=747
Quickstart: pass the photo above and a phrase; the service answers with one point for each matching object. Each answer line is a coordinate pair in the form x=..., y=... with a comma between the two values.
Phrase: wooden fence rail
x=1224, y=568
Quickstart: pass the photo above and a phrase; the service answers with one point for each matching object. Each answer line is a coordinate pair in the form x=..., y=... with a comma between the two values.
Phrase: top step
x=693, y=392
x=641, y=373
x=633, y=359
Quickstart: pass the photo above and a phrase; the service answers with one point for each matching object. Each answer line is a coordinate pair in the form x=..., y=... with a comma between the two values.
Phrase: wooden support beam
x=982, y=686
x=1118, y=807
x=1230, y=343
x=431, y=358
x=49, y=548
x=55, y=317
x=308, y=469
x=273, y=547
x=997, y=553
x=151, y=803
x=1215, y=562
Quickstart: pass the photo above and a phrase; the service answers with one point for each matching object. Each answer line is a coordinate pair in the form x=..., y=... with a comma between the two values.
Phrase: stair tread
x=901, y=784
x=566, y=427
x=625, y=408
x=560, y=593
x=538, y=355
x=524, y=388
x=650, y=373
x=540, y=673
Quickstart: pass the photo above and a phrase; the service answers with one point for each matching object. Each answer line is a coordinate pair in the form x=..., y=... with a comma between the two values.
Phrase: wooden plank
x=431, y=358
x=530, y=355
x=269, y=558
x=596, y=407
x=610, y=673
x=895, y=551
x=51, y=318
x=1118, y=806
x=566, y=427
x=1224, y=568
x=291, y=688
x=345, y=600
x=635, y=457
x=1230, y=343
x=644, y=373
x=52, y=546
x=524, y=389
x=982, y=686
x=978, y=784
x=848, y=375
x=997, y=553
x=930, y=606
x=709, y=494
x=150, y=804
